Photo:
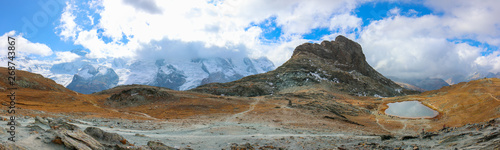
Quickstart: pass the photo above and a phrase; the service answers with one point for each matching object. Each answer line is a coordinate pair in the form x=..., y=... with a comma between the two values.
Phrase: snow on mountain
x=69, y=67
x=262, y=65
x=141, y=72
x=187, y=74
x=174, y=74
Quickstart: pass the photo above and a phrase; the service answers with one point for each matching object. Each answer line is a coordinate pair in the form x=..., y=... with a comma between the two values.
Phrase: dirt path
x=238, y=115
x=492, y=96
x=381, y=126
x=143, y=114
x=402, y=130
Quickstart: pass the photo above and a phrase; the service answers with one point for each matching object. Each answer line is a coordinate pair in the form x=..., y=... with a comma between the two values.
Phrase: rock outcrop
x=338, y=65
x=105, y=137
x=137, y=96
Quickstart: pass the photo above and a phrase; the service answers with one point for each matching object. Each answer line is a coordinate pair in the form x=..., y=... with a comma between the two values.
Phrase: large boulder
x=105, y=137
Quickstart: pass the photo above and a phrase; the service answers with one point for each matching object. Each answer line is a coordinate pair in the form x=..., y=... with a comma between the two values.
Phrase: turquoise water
x=410, y=109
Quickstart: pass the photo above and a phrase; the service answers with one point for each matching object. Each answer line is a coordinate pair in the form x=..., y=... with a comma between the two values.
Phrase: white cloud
x=68, y=28
x=408, y=45
x=226, y=25
x=395, y=11
x=490, y=62
x=345, y=22
x=63, y=57
x=470, y=19
x=421, y=47
x=23, y=46
x=100, y=49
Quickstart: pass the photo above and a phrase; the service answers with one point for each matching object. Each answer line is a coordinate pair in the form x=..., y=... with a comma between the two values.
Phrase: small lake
x=410, y=109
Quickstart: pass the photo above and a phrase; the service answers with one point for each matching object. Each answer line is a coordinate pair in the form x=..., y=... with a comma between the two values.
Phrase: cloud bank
x=457, y=37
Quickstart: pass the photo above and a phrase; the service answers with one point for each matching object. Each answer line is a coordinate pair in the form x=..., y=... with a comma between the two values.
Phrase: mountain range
x=82, y=74
x=87, y=75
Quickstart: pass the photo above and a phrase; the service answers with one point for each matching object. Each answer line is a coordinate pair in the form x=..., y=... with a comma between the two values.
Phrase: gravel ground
x=224, y=135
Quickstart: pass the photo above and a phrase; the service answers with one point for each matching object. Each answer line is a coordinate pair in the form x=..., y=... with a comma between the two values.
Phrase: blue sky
x=399, y=38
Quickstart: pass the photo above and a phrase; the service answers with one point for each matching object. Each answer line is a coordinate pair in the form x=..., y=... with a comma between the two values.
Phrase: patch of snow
x=193, y=72
x=62, y=79
x=123, y=75
x=335, y=80
x=141, y=72
x=317, y=76
x=166, y=69
x=84, y=73
x=102, y=70
x=376, y=95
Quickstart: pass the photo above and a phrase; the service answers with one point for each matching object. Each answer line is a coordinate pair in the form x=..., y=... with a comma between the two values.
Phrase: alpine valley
x=326, y=96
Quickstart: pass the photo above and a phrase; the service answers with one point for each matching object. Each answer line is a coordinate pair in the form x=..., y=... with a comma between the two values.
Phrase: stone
x=10, y=146
x=40, y=120
x=105, y=137
x=154, y=145
x=77, y=139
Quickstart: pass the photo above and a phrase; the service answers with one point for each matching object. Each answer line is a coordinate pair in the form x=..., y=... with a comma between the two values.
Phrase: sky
x=417, y=39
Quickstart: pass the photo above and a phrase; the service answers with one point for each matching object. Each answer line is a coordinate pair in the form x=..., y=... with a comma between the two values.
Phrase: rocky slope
x=28, y=80
x=338, y=65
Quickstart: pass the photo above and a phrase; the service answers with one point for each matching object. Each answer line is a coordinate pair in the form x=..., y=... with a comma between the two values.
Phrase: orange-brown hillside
x=458, y=105
x=466, y=102
x=36, y=95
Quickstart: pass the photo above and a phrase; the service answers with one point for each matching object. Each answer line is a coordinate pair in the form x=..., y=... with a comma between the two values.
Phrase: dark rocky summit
x=338, y=66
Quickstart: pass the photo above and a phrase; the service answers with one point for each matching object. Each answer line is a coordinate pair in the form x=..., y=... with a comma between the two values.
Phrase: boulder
x=105, y=137
x=159, y=146
x=77, y=139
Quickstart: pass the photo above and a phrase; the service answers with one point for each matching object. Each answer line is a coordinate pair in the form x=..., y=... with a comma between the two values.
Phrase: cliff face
x=338, y=65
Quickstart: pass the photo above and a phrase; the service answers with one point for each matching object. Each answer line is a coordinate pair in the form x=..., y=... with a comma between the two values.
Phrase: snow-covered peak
x=87, y=72
x=103, y=70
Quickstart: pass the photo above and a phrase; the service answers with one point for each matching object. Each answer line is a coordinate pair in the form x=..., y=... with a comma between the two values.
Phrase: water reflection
x=410, y=109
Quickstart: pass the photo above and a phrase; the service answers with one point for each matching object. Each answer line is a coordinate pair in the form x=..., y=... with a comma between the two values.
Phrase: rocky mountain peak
x=335, y=66
x=345, y=53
